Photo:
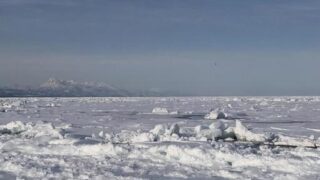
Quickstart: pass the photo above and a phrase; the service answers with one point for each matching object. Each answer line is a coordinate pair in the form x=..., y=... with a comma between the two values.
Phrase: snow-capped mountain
x=60, y=84
x=55, y=87
x=70, y=88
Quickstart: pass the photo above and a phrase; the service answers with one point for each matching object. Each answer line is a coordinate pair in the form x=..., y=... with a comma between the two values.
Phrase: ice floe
x=69, y=140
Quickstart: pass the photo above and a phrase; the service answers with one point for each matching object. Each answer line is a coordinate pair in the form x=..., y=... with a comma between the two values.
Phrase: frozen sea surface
x=160, y=138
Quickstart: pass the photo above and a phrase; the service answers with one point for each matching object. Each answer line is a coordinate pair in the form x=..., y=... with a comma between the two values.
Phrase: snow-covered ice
x=215, y=114
x=160, y=138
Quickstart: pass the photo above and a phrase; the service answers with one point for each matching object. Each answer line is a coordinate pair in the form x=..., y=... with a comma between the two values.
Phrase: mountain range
x=69, y=88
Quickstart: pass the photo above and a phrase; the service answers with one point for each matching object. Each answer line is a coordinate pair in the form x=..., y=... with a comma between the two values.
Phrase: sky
x=200, y=47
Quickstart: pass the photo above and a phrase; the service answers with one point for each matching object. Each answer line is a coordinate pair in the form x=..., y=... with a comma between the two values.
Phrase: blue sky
x=204, y=47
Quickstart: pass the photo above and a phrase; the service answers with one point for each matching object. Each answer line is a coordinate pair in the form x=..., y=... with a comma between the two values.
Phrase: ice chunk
x=174, y=112
x=12, y=104
x=228, y=133
x=163, y=132
x=101, y=134
x=217, y=129
x=215, y=114
x=206, y=133
x=218, y=125
x=159, y=129
x=43, y=129
x=243, y=134
x=174, y=129
x=159, y=110
x=14, y=127
x=216, y=134
x=293, y=141
x=200, y=128
x=31, y=130
x=144, y=137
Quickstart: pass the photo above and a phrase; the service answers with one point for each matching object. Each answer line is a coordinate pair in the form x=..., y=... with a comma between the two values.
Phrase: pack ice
x=160, y=138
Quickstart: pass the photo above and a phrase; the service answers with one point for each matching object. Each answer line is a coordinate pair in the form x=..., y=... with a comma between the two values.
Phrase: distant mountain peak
x=54, y=83
x=57, y=87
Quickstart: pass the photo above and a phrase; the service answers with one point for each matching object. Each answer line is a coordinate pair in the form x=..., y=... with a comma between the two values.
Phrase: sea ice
x=55, y=142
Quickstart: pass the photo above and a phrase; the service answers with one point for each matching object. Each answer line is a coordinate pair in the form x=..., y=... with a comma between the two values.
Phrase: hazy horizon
x=195, y=47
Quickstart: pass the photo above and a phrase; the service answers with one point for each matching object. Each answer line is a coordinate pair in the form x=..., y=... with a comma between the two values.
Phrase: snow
x=118, y=138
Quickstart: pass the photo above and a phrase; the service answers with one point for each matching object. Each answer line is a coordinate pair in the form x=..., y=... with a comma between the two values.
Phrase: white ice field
x=160, y=138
